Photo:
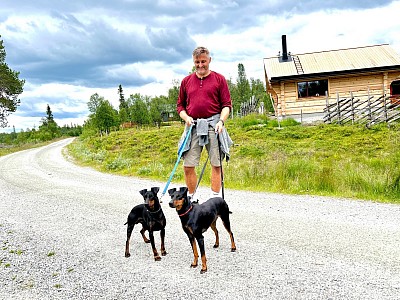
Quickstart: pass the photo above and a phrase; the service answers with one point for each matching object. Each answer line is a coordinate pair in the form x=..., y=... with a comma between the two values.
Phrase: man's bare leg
x=216, y=179
x=190, y=178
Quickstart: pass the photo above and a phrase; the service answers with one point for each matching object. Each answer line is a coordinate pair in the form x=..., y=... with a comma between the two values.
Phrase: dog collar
x=154, y=212
x=190, y=208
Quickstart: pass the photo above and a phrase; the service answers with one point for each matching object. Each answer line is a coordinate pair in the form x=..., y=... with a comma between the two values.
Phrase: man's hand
x=189, y=120
x=185, y=117
x=219, y=126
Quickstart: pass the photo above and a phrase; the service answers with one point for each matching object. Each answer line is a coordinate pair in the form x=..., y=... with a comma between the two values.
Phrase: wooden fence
x=251, y=106
x=368, y=110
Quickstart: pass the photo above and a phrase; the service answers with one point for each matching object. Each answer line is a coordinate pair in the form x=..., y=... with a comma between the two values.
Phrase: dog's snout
x=171, y=204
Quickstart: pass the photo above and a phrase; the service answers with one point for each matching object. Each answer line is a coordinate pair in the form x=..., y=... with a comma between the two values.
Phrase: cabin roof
x=342, y=60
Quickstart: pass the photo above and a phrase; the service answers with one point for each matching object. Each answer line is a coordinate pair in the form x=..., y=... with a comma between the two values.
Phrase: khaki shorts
x=192, y=156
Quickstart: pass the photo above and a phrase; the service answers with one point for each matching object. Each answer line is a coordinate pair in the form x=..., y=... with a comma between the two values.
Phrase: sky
x=68, y=50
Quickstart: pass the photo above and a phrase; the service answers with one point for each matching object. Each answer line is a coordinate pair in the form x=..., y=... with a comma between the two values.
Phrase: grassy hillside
x=343, y=161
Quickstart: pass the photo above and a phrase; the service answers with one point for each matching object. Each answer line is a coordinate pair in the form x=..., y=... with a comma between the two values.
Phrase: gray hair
x=200, y=50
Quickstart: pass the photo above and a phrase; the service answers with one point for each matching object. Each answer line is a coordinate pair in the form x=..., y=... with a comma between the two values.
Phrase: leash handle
x=180, y=152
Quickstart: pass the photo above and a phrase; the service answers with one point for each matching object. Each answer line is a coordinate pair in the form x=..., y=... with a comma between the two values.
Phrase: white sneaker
x=215, y=194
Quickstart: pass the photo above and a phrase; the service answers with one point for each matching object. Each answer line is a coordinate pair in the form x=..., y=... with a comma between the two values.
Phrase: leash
x=180, y=152
x=220, y=162
x=201, y=175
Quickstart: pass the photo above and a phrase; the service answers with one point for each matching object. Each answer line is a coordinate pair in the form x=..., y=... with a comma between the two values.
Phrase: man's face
x=201, y=64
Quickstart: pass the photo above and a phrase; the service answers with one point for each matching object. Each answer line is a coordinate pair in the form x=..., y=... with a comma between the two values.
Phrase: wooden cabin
x=302, y=84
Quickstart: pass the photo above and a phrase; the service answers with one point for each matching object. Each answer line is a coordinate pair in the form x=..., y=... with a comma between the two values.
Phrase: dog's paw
x=203, y=271
x=163, y=253
x=216, y=246
x=233, y=249
x=157, y=258
x=193, y=265
x=127, y=255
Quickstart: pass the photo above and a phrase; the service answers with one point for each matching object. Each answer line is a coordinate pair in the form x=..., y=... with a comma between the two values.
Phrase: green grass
x=343, y=161
x=8, y=149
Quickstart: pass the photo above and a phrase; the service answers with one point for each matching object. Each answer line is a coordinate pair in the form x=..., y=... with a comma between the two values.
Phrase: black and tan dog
x=152, y=218
x=197, y=218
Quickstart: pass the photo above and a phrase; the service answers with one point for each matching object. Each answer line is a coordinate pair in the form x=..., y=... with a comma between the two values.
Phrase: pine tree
x=241, y=92
x=10, y=88
x=49, y=114
x=124, y=114
x=49, y=128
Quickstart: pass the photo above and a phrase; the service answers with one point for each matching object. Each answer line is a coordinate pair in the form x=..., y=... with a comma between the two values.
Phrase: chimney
x=284, y=48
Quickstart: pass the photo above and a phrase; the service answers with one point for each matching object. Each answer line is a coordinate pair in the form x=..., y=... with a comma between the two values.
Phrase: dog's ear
x=171, y=191
x=143, y=192
x=155, y=190
x=183, y=191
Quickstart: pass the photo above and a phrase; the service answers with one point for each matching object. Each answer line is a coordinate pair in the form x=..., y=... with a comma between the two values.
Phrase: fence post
x=338, y=106
x=327, y=107
x=369, y=107
x=352, y=108
x=384, y=101
x=385, y=108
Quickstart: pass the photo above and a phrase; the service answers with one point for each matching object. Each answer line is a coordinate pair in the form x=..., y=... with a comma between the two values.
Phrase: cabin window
x=315, y=88
x=395, y=88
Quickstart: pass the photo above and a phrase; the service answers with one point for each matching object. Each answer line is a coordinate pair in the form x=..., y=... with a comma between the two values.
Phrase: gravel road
x=63, y=236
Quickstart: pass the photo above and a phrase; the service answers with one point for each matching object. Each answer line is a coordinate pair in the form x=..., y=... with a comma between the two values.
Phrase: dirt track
x=62, y=235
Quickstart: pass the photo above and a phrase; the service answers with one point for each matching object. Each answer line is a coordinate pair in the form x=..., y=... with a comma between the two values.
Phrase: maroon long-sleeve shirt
x=203, y=98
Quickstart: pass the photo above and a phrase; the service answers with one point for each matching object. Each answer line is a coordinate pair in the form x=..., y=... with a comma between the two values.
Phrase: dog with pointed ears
x=197, y=218
x=152, y=218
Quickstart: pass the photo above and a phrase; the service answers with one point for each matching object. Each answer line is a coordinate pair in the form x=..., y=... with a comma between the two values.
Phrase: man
x=204, y=100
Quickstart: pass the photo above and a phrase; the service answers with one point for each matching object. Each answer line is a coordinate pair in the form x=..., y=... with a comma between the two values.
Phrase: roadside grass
x=8, y=149
x=333, y=160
